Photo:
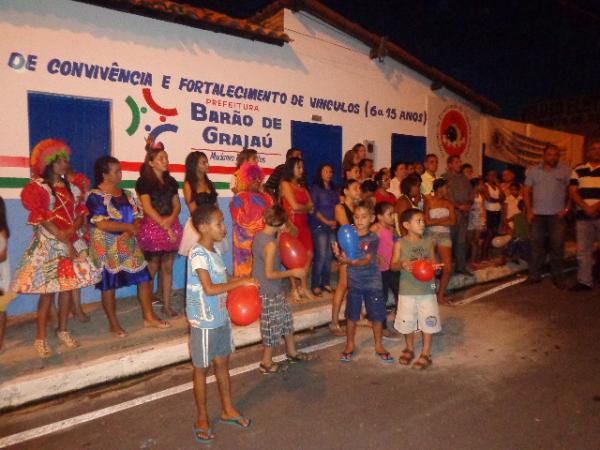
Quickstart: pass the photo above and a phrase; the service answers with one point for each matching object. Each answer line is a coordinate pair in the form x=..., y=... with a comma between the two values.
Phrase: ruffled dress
x=300, y=220
x=154, y=240
x=46, y=266
x=118, y=254
x=247, y=211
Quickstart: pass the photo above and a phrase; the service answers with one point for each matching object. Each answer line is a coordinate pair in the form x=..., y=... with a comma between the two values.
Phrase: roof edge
x=191, y=16
x=333, y=18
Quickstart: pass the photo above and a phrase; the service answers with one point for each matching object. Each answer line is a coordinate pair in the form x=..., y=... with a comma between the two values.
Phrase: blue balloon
x=349, y=241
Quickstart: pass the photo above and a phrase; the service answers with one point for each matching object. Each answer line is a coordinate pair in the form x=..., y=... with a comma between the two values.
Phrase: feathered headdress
x=249, y=172
x=45, y=153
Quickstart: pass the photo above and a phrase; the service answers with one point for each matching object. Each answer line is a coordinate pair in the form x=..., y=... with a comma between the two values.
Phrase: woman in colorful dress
x=298, y=204
x=160, y=230
x=247, y=208
x=198, y=191
x=114, y=224
x=248, y=155
x=56, y=260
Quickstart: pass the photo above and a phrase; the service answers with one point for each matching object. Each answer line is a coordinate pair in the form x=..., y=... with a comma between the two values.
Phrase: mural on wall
x=453, y=130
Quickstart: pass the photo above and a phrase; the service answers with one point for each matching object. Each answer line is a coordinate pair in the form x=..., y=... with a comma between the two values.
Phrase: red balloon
x=243, y=304
x=423, y=270
x=293, y=254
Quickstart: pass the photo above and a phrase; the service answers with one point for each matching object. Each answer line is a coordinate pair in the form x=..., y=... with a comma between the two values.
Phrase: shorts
x=275, y=319
x=440, y=238
x=418, y=312
x=374, y=300
x=207, y=344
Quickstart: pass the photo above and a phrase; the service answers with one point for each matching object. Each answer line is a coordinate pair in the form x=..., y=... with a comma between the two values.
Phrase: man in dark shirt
x=461, y=195
x=272, y=183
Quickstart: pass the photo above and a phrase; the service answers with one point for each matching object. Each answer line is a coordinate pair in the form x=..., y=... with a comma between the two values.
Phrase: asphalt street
x=516, y=370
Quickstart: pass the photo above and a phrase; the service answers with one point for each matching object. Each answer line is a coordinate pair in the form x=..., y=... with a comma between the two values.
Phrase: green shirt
x=413, y=251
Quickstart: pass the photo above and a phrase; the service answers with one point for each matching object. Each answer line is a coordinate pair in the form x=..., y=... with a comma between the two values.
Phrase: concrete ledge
x=34, y=387
x=68, y=378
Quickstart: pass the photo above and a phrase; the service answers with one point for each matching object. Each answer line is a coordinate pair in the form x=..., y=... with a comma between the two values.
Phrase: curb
x=33, y=387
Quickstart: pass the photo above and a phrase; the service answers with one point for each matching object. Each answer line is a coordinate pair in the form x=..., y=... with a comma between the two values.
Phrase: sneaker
x=580, y=287
x=66, y=338
x=42, y=348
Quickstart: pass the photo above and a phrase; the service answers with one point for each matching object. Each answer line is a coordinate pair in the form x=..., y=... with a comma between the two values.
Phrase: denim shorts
x=374, y=301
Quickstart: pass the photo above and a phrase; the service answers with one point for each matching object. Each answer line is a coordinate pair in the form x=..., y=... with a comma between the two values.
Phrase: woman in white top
x=439, y=217
x=493, y=200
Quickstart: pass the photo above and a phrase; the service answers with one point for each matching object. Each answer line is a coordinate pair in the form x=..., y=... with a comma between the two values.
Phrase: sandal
x=160, y=324
x=422, y=363
x=269, y=370
x=299, y=357
x=42, y=348
x=336, y=330
x=295, y=296
x=317, y=292
x=67, y=338
x=346, y=357
x=237, y=422
x=328, y=289
x=406, y=357
x=206, y=432
x=385, y=357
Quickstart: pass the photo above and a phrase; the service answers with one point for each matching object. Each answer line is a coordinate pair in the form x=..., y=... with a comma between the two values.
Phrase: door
x=319, y=144
x=408, y=149
x=83, y=123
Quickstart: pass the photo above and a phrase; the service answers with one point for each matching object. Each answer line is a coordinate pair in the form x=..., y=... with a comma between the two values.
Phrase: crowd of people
x=107, y=237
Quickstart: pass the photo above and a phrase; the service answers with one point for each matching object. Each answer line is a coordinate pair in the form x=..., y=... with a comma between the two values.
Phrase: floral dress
x=247, y=209
x=118, y=254
x=46, y=266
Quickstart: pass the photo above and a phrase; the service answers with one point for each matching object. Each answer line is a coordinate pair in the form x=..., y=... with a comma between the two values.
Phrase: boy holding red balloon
x=413, y=256
x=364, y=283
x=210, y=327
x=276, y=315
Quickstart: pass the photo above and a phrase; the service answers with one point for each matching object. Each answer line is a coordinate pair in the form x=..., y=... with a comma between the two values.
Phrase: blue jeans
x=323, y=236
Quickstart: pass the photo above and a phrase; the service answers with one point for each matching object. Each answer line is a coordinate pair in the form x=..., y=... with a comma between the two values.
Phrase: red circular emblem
x=453, y=132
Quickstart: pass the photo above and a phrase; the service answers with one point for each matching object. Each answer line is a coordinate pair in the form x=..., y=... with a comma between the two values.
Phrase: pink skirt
x=155, y=239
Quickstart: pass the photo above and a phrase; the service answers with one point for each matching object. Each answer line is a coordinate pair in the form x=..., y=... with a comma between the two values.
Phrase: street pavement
x=516, y=370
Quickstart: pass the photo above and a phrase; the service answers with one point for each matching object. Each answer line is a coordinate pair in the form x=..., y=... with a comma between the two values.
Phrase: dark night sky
x=514, y=51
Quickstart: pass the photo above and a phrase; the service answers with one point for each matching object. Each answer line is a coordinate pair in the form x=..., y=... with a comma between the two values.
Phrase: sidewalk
x=102, y=358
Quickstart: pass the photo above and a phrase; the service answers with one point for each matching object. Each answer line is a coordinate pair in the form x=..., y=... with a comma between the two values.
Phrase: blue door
x=408, y=149
x=83, y=123
x=320, y=144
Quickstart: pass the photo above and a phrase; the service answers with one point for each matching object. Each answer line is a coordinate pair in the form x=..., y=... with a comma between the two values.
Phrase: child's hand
x=298, y=273
x=437, y=266
x=335, y=248
x=406, y=265
x=250, y=282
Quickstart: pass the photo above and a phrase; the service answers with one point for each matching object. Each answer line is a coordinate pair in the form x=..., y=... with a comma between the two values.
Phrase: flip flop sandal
x=406, y=357
x=236, y=422
x=420, y=365
x=346, y=357
x=269, y=370
x=206, y=431
x=385, y=357
x=328, y=289
x=298, y=357
x=336, y=330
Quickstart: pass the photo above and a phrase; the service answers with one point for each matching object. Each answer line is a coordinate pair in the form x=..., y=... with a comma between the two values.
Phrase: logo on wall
x=453, y=131
x=163, y=113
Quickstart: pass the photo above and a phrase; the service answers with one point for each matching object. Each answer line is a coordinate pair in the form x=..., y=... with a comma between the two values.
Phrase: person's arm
x=395, y=263
x=149, y=209
x=343, y=259
x=211, y=288
x=589, y=210
x=340, y=215
x=117, y=227
x=287, y=192
x=175, y=213
x=271, y=272
x=3, y=253
x=527, y=198
x=188, y=197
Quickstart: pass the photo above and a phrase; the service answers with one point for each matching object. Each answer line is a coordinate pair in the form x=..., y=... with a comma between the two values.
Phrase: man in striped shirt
x=585, y=192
